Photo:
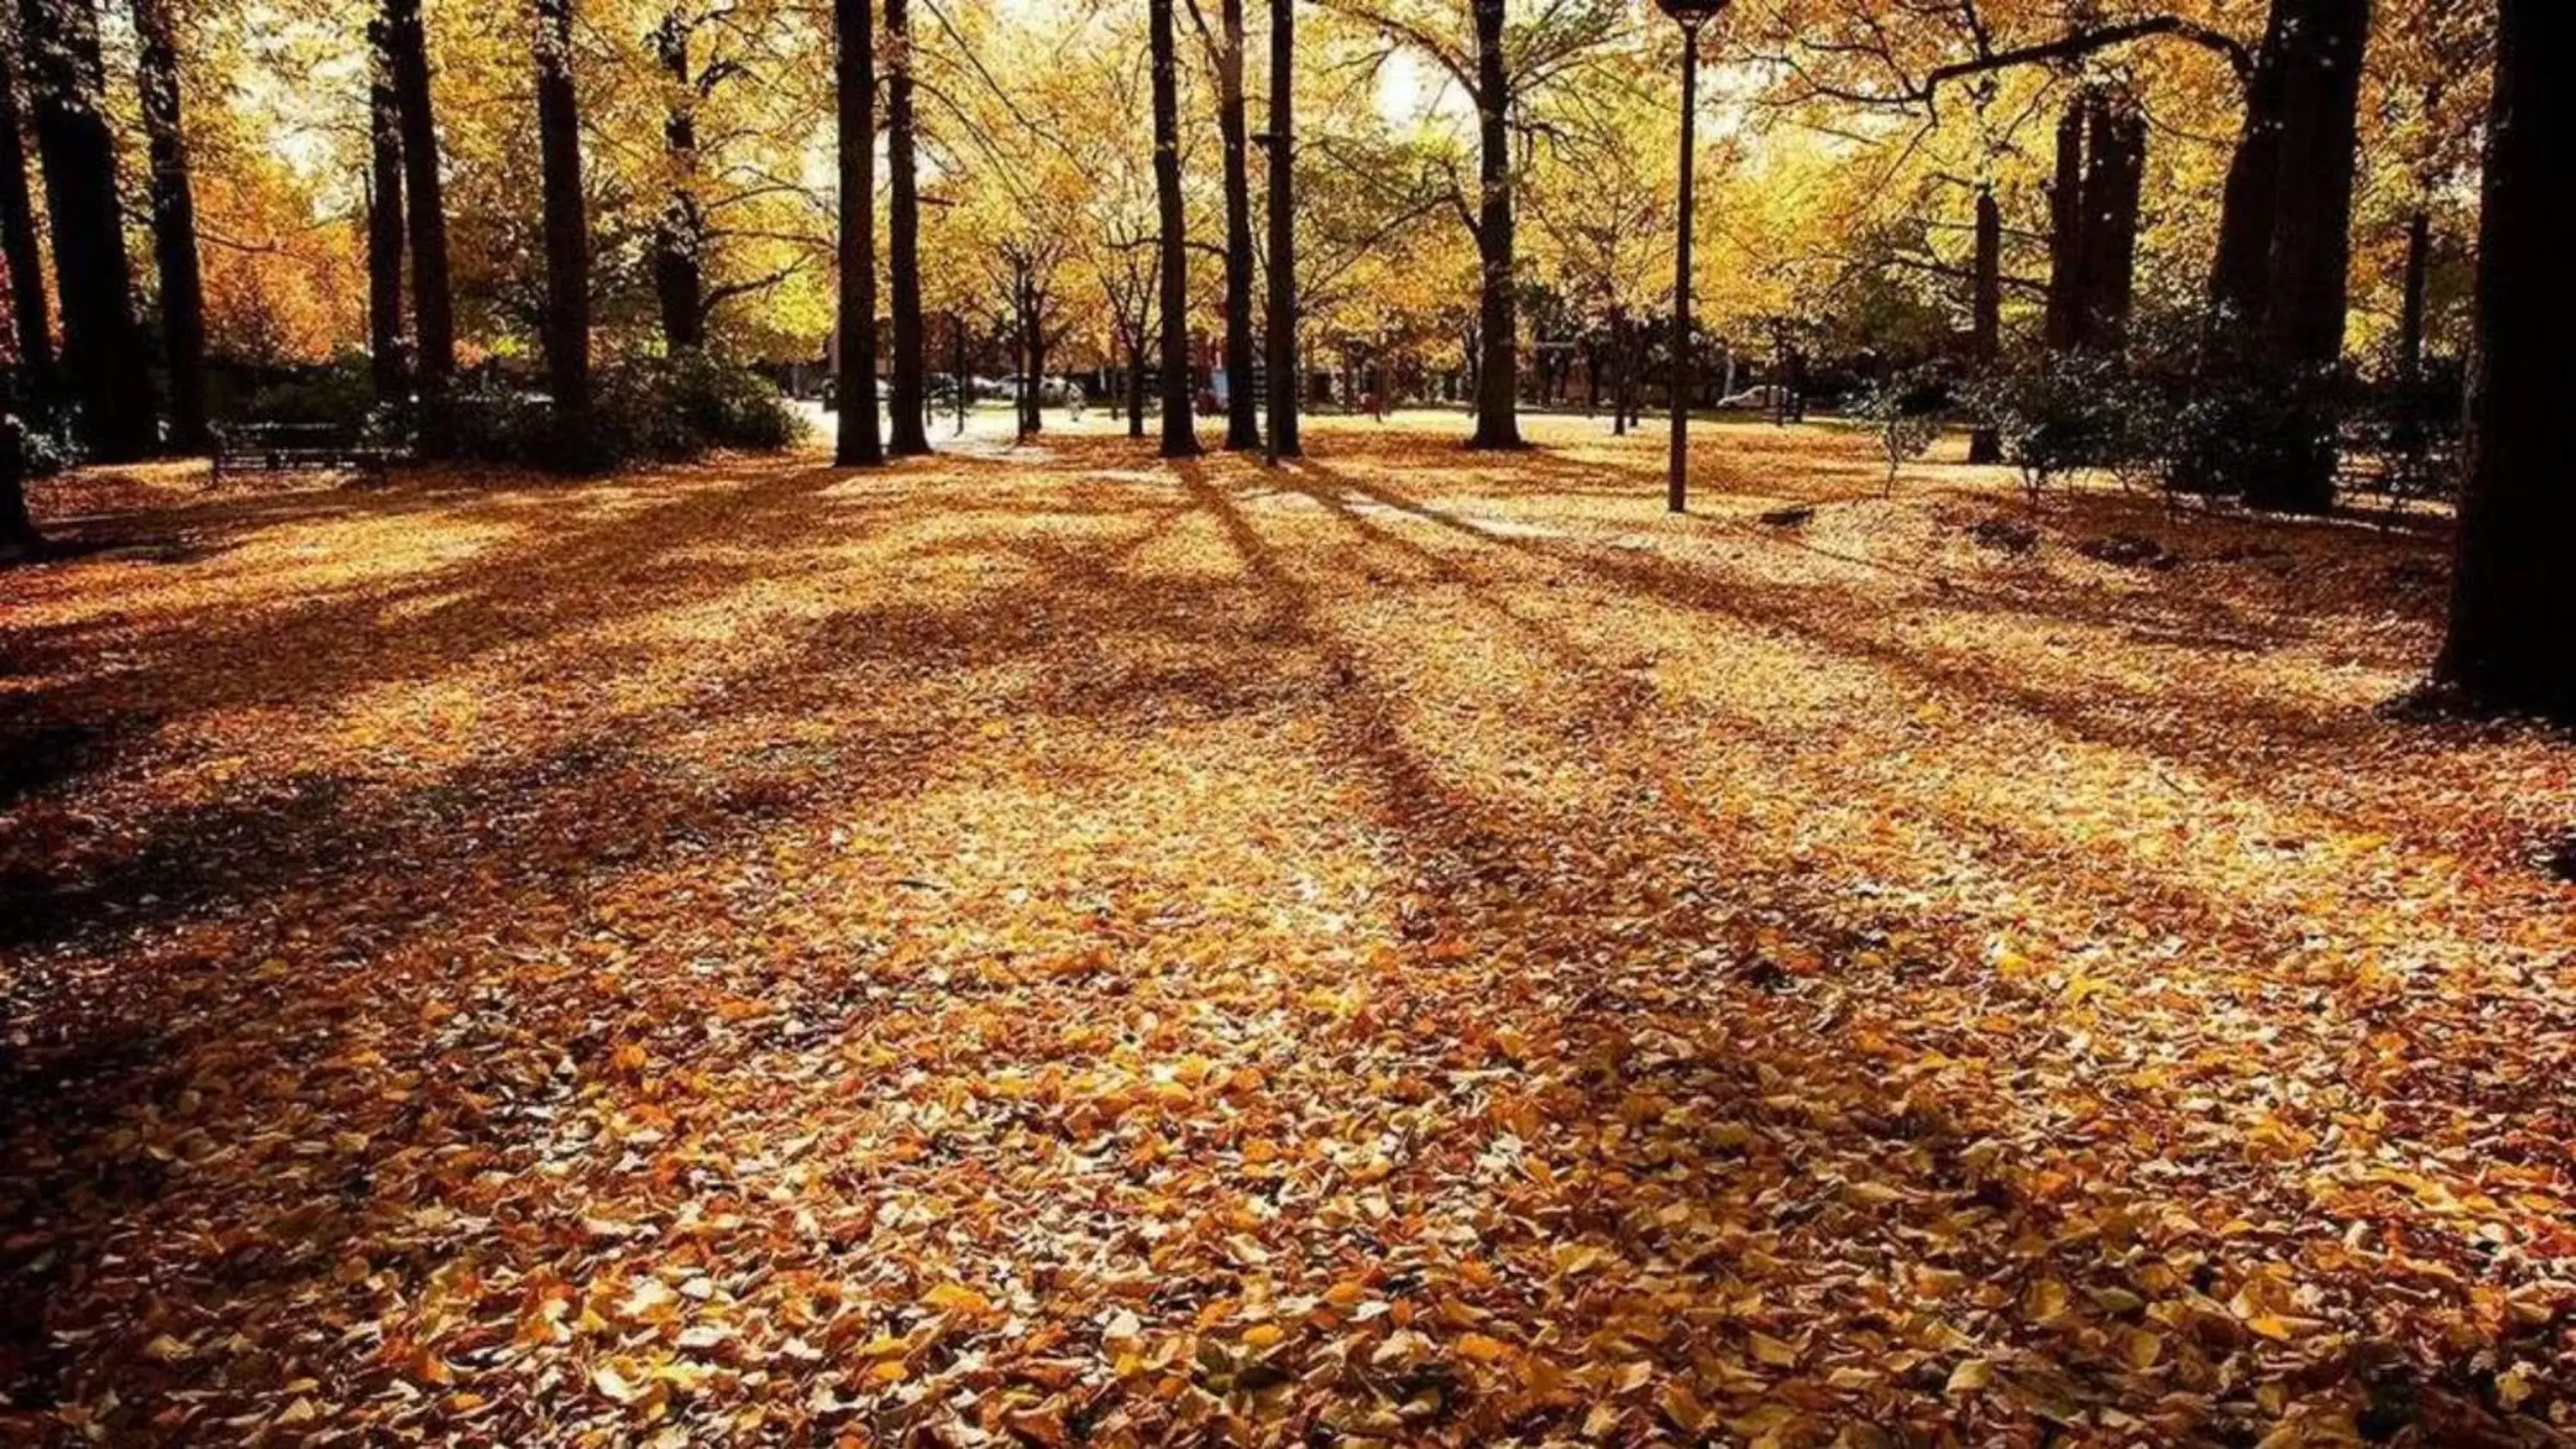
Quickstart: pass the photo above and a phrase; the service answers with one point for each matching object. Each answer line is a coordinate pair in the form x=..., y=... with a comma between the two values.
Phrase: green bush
x=1904, y=410
x=40, y=433
x=2060, y=413
x=643, y=410
x=341, y=395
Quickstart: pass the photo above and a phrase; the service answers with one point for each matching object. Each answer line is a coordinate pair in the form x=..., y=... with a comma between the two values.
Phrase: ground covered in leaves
x=1049, y=947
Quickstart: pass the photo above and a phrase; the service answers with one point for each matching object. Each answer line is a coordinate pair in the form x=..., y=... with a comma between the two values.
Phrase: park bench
x=294, y=447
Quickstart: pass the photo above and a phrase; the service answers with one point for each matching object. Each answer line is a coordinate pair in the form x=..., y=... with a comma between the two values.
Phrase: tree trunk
x=1242, y=404
x=2113, y=176
x=957, y=367
x=567, y=330
x=2246, y=207
x=909, y=425
x=1136, y=385
x=424, y=211
x=174, y=224
x=384, y=224
x=102, y=357
x=1627, y=369
x=1497, y=416
x=1985, y=334
x=31, y=313
x=2410, y=322
x=854, y=96
x=1180, y=437
x=2064, y=326
x=18, y=533
x=2513, y=604
x=1033, y=404
x=2301, y=338
x=680, y=232
x=1283, y=230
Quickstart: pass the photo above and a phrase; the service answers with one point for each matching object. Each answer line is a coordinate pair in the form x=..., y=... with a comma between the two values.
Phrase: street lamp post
x=1692, y=15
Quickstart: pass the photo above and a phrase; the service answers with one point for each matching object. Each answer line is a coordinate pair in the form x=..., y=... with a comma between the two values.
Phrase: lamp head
x=1692, y=13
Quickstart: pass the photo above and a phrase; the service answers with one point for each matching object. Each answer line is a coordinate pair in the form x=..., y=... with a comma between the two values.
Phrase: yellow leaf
x=614, y=1385
x=1774, y=1352
x=1970, y=1376
x=957, y=1298
x=1484, y=1348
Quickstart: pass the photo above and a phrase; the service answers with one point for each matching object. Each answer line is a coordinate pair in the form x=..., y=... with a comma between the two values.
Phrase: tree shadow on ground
x=1728, y=1120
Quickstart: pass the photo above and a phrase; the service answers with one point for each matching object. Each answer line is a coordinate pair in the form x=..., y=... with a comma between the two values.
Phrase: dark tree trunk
x=567, y=330
x=1627, y=368
x=2247, y=204
x=1283, y=230
x=910, y=423
x=19, y=536
x=855, y=88
x=102, y=358
x=2301, y=338
x=174, y=224
x=2410, y=322
x=1498, y=309
x=2064, y=327
x=1242, y=404
x=680, y=232
x=30, y=311
x=1032, y=357
x=384, y=225
x=2114, y=172
x=2513, y=606
x=1180, y=437
x=424, y=210
x=1136, y=385
x=1985, y=333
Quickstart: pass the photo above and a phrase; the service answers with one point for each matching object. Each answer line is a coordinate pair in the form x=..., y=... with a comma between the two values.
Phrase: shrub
x=341, y=395
x=1904, y=410
x=2059, y=413
x=41, y=436
x=642, y=410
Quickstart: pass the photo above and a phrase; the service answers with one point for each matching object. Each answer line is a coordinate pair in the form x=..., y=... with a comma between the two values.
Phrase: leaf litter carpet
x=1058, y=948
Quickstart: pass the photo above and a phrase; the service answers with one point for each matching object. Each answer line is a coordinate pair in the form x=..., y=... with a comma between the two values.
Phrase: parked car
x=1761, y=398
x=832, y=394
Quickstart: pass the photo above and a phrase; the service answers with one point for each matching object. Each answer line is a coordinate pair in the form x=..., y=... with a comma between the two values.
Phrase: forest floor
x=1048, y=946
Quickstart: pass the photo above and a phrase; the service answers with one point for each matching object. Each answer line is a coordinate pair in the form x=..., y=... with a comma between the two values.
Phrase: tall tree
x=2418, y=279
x=384, y=225
x=30, y=312
x=910, y=423
x=1225, y=49
x=680, y=232
x=174, y=223
x=854, y=97
x=2246, y=203
x=406, y=59
x=102, y=357
x=2305, y=276
x=1282, y=336
x=567, y=329
x=1180, y=436
x=1498, y=374
x=2114, y=174
x=2063, y=325
x=2513, y=605
x=19, y=536
x=2277, y=285
x=1986, y=314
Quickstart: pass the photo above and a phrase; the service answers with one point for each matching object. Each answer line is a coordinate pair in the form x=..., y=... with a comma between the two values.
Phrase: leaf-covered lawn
x=1060, y=948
